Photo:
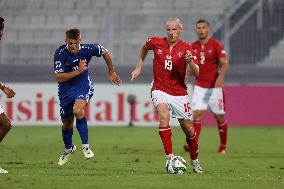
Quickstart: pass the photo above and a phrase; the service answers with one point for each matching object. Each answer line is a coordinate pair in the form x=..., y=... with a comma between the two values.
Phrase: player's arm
x=191, y=66
x=62, y=77
x=8, y=91
x=140, y=61
x=224, y=66
x=113, y=76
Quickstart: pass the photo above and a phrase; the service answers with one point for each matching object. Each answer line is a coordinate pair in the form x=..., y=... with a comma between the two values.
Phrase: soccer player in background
x=172, y=63
x=5, y=123
x=75, y=87
x=208, y=92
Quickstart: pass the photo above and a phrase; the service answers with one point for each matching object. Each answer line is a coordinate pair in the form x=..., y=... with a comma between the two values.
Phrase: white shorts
x=178, y=105
x=211, y=99
x=1, y=110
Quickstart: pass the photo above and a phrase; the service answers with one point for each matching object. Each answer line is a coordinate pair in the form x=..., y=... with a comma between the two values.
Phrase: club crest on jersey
x=180, y=54
x=195, y=50
x=160, y=51
x=210, y=51
x=168, y=57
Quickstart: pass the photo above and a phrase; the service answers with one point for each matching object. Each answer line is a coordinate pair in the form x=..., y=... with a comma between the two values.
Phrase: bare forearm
x=62, y=77
x=192, y=68
x=195, y=69
x=224, y=68
x=141, y=57
x=108, y=61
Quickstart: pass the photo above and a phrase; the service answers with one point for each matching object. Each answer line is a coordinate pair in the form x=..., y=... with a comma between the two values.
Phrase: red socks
x=223, y=133
x=193, y=146
x=166, y=137
x=197, y=128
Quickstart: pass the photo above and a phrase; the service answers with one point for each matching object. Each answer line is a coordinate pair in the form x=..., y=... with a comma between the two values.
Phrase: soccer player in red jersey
x=173, y=62
x=5, y=123
x=208, y=91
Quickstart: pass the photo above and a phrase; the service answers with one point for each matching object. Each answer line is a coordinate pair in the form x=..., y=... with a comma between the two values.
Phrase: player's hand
x=82, y=66
x=114, y=79
x=136, y=72
x=188, y=56
x=10, y=93
x=219, y=83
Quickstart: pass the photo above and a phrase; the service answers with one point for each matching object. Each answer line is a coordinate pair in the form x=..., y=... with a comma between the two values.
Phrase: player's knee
x=197, y=115
x=220, y=119
x=164, y=119
x=78, y=112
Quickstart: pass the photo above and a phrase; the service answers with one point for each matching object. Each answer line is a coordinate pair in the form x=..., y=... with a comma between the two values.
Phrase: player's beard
x=202, y=36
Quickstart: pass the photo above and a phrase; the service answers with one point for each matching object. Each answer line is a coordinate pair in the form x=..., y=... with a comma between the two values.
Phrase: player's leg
x=199, y=105
x=192, y=142
x=165, y=131
x=197, y=117
x=222, y=128
x=181, y=110
x=67, y=119
x=67, y=133
x=217, y=106
x=159, y=100
x=5, y=125
x=82, y=126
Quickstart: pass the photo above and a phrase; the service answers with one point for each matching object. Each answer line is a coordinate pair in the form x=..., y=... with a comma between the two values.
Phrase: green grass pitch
x=134, y=158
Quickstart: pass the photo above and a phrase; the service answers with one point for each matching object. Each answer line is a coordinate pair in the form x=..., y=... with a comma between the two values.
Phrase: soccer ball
x=176, y=165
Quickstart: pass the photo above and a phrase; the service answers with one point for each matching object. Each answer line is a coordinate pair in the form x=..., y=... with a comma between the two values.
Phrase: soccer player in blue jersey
x=75, y=87
x=5, y=123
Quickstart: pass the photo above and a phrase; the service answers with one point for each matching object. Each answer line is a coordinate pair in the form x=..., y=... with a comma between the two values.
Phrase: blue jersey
x=65, y=62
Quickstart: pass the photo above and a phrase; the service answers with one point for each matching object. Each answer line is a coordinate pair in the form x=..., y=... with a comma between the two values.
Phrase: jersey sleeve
x=221, y=53
x=96, y=49
x=150, y=43
x=59, y=66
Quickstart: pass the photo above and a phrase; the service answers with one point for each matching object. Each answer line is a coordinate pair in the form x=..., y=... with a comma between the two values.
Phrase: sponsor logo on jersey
x=168, y=57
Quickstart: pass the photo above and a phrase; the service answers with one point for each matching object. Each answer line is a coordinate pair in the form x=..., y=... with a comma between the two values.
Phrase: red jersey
x=208, y=56
x=169, y=65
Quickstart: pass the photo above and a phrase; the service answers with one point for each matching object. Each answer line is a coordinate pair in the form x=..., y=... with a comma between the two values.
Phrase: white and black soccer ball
x=176, y=165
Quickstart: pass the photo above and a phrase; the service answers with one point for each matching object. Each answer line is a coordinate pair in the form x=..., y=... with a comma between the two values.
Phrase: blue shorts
x=67, y=102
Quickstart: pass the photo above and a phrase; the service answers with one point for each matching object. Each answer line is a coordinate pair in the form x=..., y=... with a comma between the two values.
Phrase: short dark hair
x=2, y=23
x=202, y=21
x=73, y=33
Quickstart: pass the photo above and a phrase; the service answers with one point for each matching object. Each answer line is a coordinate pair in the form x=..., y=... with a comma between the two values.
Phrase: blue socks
x=67, y=137
x=82, y=128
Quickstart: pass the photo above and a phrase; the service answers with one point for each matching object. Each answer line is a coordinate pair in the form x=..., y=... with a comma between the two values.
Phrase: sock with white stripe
x=166, y=137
